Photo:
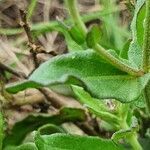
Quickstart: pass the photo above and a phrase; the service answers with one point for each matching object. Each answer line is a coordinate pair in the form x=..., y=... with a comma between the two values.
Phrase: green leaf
x=135, y=49
x=71, y=44
x=123, y=133
x=137, y=25
x=96, y=106
x=135, y=54
x=1, y=130
x=98, y=77
x=140, y=102
x=73, y=142
x=93, y=36
x=124, y=51
x=86, y=99
x=25, y=146
x=77, y=35
x=33, y=122
x=50, y=129
x=45, y=129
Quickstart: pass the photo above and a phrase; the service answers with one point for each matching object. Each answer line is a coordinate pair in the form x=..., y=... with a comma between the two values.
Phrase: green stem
x=146, y=53
x=116, y=62
x=31, y=8
x=1, y=130
x=146, y=44
x=147, y=97
x=131, y=139
x=74, y=12
x=134, y=142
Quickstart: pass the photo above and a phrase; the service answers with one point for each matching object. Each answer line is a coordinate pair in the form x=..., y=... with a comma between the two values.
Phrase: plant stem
x=132, y=139
x=1, y=130
x=147, y=97
x=116, y=62
x=31, y=8
x=146, y=44
x=11, y=70
x=72, y=6
x=134, y=142
x=146, y=53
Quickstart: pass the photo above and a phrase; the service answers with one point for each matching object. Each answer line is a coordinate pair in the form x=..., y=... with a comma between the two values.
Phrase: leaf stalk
x=132, y=139
x=146, y=44
x=74, y=13
x=146, y=53
x=116, y=62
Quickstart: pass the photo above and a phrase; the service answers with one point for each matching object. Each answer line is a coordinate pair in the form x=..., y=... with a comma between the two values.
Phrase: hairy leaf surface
x=73, y=142
x=137, y=28
x=98, y=77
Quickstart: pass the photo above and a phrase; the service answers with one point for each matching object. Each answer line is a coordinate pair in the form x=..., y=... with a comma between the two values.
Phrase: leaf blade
x=97, y=76
x=71, y=142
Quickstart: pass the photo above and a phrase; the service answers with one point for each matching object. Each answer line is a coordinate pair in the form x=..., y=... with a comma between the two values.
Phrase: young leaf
x=135, y=54
x=135, y=49
x=73, y=142
x=86, y=99
x=124, y=52
x=137, y=25
x=33, y=122
x=93, y=36
x=95, y=105
x=98, y=77
x=140, y=102
x=71, y=43
x=123, y=133
x=76, y=35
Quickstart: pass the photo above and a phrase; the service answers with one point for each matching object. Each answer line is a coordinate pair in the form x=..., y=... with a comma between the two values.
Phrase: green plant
x=92, y=74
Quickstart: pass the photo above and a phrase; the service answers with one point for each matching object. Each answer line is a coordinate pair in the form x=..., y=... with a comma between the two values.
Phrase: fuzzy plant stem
x=146, y=44
x=146, y=52
x=147, y=98
x=116, y=62
x=133, y=138
x=74, y=13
